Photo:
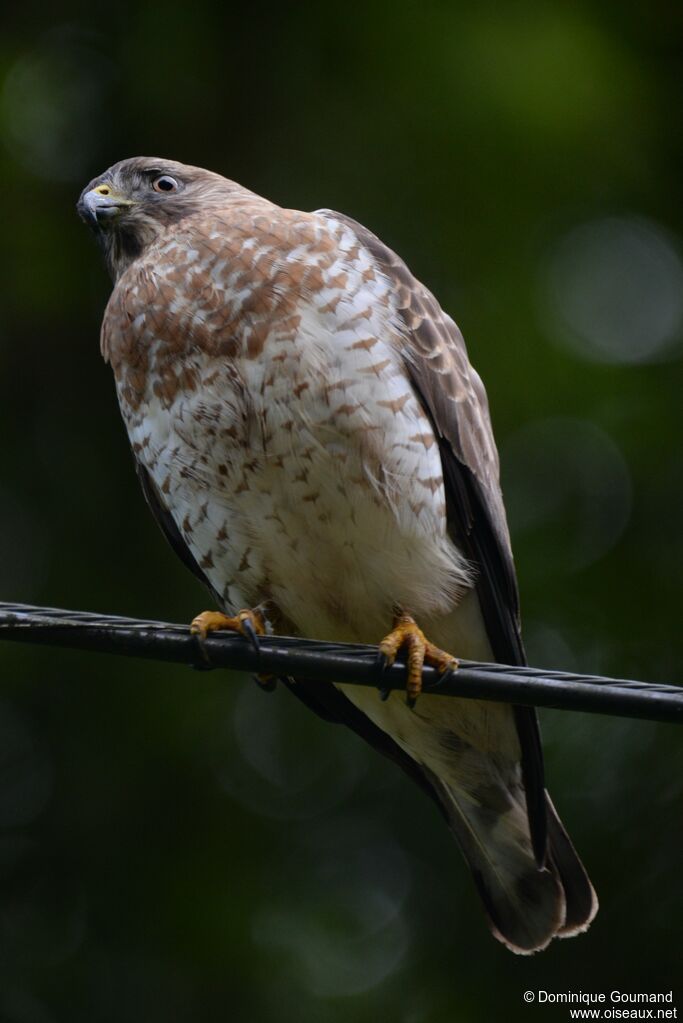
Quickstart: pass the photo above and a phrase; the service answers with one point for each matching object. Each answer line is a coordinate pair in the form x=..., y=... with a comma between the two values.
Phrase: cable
x=337, y=662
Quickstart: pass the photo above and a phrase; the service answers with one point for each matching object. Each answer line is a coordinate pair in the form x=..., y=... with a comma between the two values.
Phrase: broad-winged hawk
x=312, y=438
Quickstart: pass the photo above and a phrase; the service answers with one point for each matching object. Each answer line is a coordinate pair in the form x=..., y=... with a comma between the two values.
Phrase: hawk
x=313, y=441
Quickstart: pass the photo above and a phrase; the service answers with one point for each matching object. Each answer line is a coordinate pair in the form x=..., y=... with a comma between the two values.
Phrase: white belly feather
x=322, y=490
x=311, y=477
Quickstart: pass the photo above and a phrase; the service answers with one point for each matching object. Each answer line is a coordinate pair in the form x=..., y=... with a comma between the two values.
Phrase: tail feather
x=466, y=754
x=582, y=902
x=527, y=906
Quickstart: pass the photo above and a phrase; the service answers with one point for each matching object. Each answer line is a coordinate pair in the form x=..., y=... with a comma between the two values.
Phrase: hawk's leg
x=248, y=623
x=407, y=635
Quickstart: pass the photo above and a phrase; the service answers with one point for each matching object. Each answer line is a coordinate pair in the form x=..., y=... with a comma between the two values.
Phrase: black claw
x=250, y=632
x=411, y=701
x=203, y=662
x=382, y=663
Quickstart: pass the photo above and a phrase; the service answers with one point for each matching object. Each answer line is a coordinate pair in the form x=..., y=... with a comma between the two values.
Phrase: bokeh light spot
x=612, y=291
x=344, y=929
x=288, y=767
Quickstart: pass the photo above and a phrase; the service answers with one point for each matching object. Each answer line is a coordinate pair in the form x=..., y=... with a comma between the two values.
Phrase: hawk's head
x=135, y=201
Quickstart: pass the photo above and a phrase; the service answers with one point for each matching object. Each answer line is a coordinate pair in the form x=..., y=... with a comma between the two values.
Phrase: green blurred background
x=181, y=847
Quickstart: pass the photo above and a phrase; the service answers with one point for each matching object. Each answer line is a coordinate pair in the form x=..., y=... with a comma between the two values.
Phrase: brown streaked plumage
x=309, y=432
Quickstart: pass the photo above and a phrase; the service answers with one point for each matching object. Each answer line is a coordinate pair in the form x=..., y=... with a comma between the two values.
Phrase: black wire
x=339, y=662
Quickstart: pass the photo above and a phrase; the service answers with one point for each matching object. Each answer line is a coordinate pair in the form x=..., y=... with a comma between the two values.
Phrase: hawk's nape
x=309, y=433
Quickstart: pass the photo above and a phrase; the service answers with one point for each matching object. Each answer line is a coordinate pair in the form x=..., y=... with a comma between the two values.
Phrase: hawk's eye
x=165, y=183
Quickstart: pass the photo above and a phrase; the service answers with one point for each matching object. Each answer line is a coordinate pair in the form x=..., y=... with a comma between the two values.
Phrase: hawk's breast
x=264, y=390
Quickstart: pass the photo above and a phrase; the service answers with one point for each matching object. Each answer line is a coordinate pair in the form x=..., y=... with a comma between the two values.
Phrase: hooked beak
x=97, y=208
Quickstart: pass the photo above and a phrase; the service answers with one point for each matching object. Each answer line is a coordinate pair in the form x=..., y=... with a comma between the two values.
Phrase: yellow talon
x=407, y=634
x=248, y=623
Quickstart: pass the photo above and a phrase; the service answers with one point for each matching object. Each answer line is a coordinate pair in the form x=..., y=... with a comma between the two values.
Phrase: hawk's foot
x=406, y=634
x=249, y=624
